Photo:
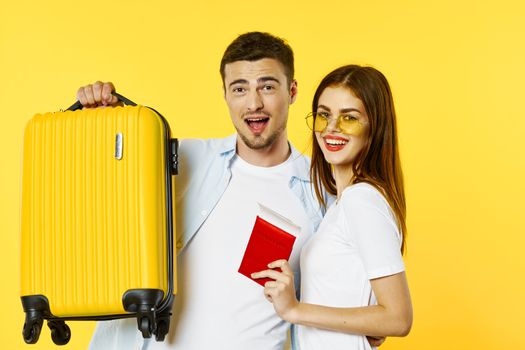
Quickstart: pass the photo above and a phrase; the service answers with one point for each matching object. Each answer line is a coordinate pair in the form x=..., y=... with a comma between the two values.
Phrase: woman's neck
x=343, y=177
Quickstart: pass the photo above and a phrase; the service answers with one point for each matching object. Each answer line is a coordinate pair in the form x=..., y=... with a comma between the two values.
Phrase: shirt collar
x=301, y=165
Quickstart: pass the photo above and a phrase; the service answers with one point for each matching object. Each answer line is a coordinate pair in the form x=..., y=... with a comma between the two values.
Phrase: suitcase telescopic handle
x=78, y=105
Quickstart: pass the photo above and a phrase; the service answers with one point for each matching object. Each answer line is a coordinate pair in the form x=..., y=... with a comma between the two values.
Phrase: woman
x=352, y=273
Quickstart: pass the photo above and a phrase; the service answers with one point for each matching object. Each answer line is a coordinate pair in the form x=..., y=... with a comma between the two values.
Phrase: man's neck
x=275, y=154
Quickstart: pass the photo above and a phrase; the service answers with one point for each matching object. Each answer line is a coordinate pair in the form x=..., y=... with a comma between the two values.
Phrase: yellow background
x=456, y=69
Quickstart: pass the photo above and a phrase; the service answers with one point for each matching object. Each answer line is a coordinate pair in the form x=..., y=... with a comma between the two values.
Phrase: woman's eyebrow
x=347, y=110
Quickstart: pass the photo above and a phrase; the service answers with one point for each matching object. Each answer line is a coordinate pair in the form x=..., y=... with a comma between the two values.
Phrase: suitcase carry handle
x=78, y=105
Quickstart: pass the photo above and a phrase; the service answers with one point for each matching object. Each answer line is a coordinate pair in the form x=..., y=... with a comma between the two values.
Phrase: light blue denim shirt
x=205, y=172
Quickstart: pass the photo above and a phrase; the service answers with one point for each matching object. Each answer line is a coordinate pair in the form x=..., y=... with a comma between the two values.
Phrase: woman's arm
x=392, y=316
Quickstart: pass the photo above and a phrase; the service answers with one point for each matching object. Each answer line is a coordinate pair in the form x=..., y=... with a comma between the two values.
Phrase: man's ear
x=293, y=91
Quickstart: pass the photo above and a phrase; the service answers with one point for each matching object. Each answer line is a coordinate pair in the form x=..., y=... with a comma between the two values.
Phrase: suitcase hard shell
x=97, y=220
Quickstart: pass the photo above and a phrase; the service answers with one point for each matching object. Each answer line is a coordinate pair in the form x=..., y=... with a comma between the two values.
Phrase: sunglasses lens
x=310, y=121
x=320, y=123
x=351, y=126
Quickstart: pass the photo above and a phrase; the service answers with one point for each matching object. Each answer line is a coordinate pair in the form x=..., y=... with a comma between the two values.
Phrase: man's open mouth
x=258, y=124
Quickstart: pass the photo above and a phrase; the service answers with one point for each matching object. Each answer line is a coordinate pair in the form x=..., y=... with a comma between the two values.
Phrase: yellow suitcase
x=97, y=219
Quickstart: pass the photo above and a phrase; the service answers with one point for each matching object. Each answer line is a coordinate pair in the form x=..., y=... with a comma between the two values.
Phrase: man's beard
x=259, y=142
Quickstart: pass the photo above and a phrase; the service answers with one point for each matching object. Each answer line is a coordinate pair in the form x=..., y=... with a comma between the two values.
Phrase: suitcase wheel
x=32, y=330
x=60, y=332
x=146, y=327
x=163, y=326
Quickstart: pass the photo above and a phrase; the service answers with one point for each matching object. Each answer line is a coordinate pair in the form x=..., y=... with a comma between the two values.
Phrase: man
x=218, y=191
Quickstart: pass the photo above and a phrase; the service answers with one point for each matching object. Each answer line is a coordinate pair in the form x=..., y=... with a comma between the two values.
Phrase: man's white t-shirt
x=357, y=241
x=216, y=307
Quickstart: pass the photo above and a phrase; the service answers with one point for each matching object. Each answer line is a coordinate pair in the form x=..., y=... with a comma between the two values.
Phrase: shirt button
x=179, y=244
x=204, y=212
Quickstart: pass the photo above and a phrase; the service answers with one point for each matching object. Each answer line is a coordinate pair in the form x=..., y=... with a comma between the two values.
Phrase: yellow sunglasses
x=348, y=124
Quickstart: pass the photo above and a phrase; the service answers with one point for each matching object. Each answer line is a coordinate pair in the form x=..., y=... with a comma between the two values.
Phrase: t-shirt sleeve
x=372, y=227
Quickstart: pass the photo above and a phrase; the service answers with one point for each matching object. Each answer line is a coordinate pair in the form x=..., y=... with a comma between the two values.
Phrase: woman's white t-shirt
x=357, y=241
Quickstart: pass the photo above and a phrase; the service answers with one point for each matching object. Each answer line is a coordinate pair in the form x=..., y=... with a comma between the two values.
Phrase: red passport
x=267, y=243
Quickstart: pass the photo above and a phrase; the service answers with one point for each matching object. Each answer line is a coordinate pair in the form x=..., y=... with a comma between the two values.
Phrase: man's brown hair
x=254, y=46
